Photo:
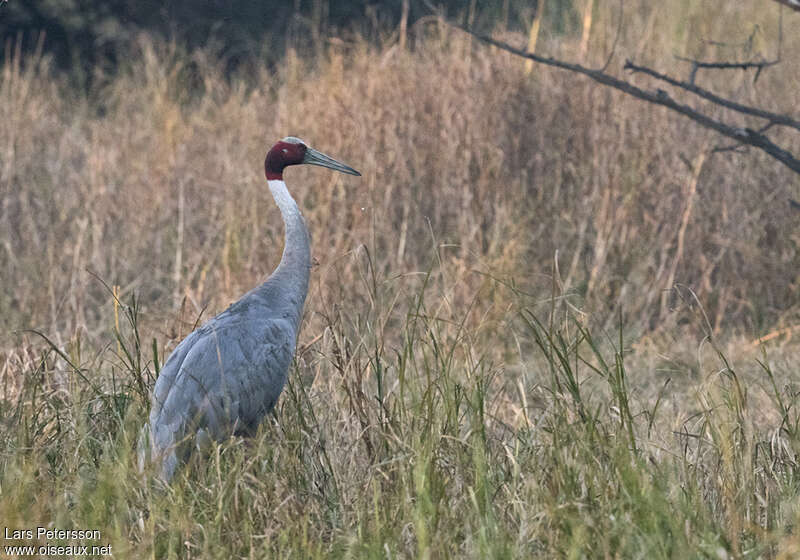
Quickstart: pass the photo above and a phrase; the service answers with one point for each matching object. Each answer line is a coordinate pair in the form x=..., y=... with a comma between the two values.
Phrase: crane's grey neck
x=288, y=285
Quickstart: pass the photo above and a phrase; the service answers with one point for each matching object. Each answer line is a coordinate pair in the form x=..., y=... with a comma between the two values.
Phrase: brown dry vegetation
x=479, y=182
x=155, y=183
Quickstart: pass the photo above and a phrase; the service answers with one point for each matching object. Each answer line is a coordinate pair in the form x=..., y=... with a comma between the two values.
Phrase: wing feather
x=223, y=378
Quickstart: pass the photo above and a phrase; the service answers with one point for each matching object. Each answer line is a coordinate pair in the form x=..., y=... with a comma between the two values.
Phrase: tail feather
x=158, y=450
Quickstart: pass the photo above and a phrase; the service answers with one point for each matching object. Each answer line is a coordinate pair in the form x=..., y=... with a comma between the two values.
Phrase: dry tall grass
x=485, y=191
x=154, y=183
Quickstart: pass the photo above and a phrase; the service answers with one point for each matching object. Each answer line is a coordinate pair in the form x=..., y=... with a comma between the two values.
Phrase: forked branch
x=742, y=135
x=759, y=65
x=773, y=118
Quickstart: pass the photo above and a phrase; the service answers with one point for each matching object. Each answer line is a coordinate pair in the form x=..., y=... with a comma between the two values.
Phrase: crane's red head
x=293, y=151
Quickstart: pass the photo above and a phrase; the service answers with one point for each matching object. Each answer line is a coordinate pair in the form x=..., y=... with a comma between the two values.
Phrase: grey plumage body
x=226, y=376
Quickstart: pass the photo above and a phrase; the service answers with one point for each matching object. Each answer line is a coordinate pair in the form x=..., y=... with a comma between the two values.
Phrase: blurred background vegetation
x=82, y=34
x=520, y=173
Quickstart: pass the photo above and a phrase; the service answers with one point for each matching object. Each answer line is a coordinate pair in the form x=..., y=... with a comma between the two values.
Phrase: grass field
x=532, y=329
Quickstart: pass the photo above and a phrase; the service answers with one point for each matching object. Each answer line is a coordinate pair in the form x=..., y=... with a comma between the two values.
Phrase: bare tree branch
x=793, y=4
x=774, y=118
x=660, y=97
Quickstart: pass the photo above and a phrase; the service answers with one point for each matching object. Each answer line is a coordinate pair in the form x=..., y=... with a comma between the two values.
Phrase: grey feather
x=222, y=379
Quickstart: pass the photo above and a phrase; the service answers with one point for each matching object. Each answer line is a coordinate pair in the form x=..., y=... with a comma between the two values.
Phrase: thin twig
x=725, y=65
x=746, y=45
x=616, y=38
x=736, y=148
x=780, y=32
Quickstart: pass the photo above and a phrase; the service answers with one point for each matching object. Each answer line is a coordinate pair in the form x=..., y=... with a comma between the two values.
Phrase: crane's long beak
x=313, y=157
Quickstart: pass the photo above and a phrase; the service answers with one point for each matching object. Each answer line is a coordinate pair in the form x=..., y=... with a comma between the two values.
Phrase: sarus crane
x=226, y=376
